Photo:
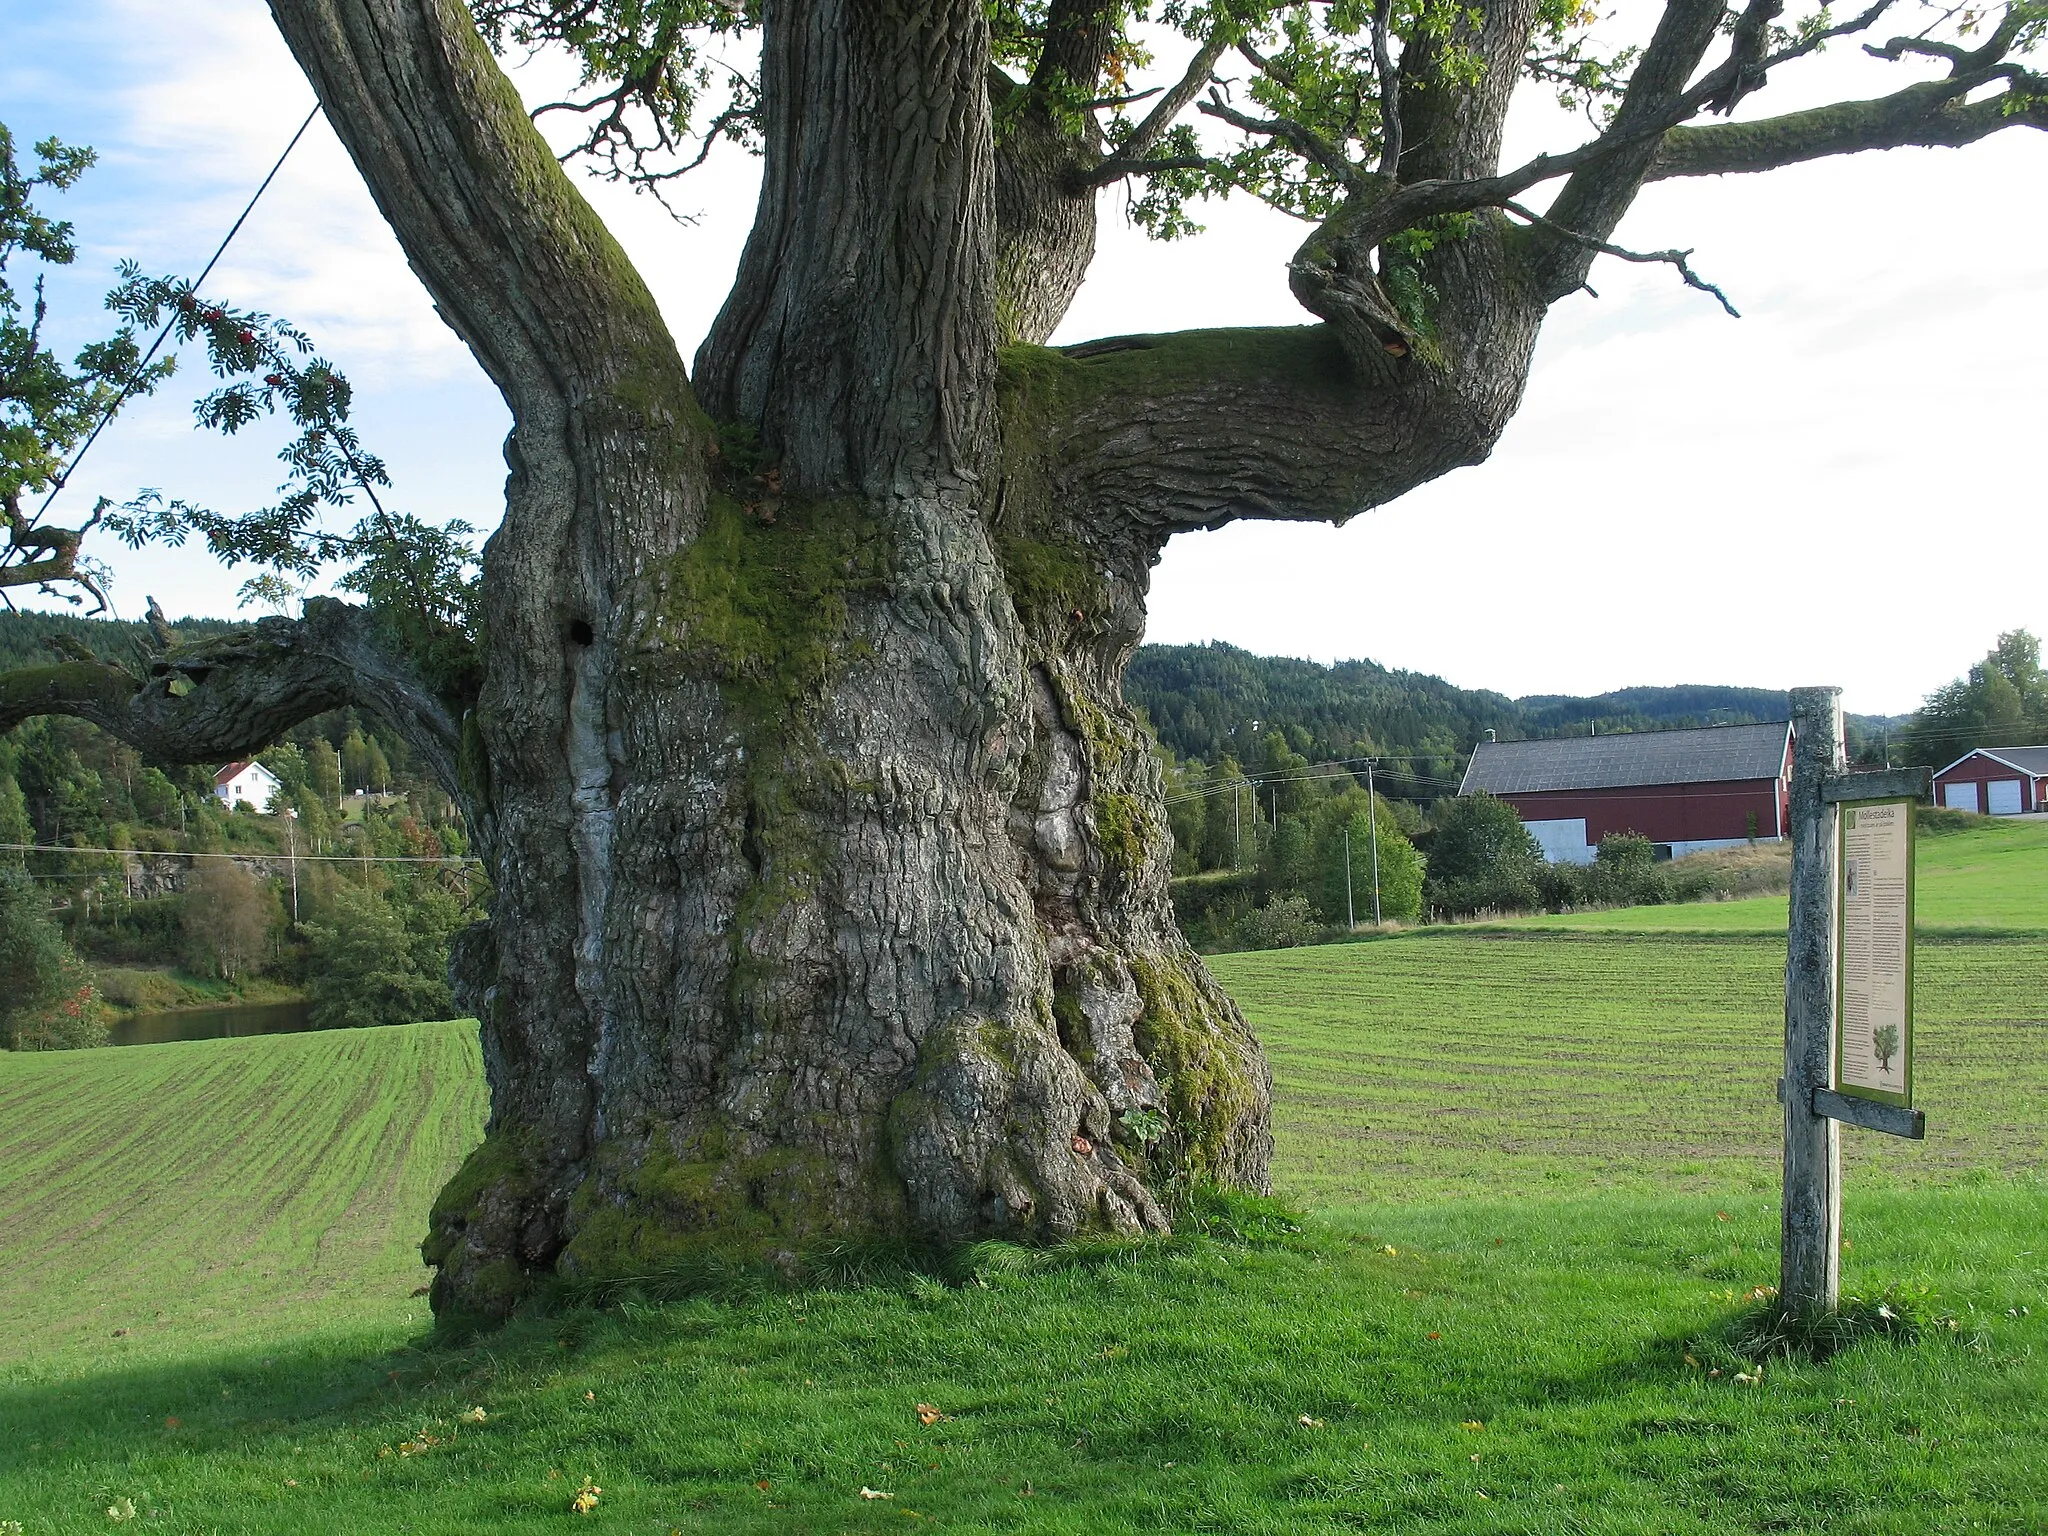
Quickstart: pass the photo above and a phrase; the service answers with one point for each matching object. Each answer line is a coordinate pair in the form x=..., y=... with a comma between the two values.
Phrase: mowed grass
x=1453, y=1342
x=1990, y=877
x=1459, y=1062
x=157, y=1200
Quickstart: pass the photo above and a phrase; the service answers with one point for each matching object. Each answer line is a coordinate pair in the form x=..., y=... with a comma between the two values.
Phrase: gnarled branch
x=234, y=695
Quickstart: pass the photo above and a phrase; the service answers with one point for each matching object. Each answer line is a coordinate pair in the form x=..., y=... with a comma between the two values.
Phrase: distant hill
x=1205, y=701
x=22, y=635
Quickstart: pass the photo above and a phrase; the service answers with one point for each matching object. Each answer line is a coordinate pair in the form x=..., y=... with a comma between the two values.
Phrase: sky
x=1843, y=486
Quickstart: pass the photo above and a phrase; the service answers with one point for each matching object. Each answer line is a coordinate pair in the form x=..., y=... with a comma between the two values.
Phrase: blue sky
x=1843, y=486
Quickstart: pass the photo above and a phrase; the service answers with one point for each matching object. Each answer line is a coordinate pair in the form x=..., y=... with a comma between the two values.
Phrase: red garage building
x=1684, y=790
x=1998, y=781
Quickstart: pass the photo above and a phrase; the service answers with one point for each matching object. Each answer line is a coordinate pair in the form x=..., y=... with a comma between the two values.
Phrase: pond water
x=211, y=1023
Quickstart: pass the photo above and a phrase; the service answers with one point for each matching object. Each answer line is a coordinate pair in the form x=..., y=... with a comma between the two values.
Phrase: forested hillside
x=1211, y=701
x=143, y=891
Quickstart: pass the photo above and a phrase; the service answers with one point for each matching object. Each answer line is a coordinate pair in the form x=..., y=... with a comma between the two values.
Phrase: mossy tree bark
x=830, y=865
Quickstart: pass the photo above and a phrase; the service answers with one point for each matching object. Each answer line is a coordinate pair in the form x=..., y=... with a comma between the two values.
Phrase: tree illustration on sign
x=1884, y=1042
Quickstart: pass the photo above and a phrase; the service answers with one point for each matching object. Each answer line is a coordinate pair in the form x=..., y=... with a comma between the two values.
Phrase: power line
x=64, y=476
x=180, y=853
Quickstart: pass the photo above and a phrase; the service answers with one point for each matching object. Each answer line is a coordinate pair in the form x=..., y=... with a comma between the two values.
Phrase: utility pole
x=1236, y=827
x=1372, y=823
x=291, y=829
x=1350, y=916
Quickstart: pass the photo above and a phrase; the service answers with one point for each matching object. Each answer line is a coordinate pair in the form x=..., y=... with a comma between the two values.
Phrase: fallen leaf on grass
x=472, y=1415
x=1689, y=1360
x=1472, y=1424
x=121, y=1509
x=1309, y=1422
x=1433, y=1336
x=1475, y=1458
x=929, y=1415
x=422, y=1290
x=874, y=1493
x=585, y=1500
x=1714, y=1372
x=762, y=1484
x=590, y=1397
x=1745, y=1379
x=1388, y=1249
x=173, y=1422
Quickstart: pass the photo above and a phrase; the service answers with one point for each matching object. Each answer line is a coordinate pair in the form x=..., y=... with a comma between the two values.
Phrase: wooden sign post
x=1811, y=1237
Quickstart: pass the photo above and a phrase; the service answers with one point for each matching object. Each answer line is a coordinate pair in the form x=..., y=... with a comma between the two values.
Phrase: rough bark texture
x=830, y=865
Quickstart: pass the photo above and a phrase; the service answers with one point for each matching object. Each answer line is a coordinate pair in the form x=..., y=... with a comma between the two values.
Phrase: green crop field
x=1992, y=876
x=222, y=1191
x=1541, y=1172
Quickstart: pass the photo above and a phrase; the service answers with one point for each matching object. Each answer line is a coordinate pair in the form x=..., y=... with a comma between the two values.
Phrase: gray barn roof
x=2029, y=760
x=1708, y=756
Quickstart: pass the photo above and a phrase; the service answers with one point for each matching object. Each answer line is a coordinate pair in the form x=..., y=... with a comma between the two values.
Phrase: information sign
x=1874, y=953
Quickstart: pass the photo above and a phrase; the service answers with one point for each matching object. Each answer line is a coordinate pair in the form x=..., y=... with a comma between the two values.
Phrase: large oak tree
x=830, y=866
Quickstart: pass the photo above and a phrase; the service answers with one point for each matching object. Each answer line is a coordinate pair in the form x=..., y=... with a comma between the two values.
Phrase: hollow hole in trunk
x=580, y=632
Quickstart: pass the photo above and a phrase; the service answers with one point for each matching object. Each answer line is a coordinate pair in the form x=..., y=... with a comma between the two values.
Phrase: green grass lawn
x=1990, y=877
x=1541, y=1168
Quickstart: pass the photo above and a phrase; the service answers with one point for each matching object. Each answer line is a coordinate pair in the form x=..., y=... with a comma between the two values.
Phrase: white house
x=245, y=783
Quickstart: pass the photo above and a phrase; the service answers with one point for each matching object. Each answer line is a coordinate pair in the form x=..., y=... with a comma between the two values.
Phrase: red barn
x=1998, y=781
x=1686, y=791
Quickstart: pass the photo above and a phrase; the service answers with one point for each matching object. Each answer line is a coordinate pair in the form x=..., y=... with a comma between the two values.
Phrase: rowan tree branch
x=40, y=556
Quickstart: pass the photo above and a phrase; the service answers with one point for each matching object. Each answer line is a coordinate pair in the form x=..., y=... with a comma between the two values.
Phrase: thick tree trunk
x=831, y=868
x=830, y=903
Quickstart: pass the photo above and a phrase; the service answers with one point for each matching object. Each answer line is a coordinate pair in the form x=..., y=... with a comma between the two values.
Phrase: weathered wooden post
x=1811, y=1240
x=1879, y=942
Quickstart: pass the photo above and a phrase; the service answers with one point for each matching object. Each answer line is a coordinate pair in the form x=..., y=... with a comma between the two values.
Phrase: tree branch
x=58, y=551
x=1304, y=139
x=1678, y=259
x=1930, y=114
x=234, y=695
x=1132, y=439
x=1130, y=154
x=1390, y=90
x=515, y=259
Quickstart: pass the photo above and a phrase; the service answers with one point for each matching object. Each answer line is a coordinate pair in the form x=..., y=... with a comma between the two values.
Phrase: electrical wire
x=63, y=477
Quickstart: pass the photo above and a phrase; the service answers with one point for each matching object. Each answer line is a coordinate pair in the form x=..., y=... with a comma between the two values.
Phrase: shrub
x=1482, y=859
x=367, y=968
x=72, y=1018
x=47, y=1000
x=1281, y=923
